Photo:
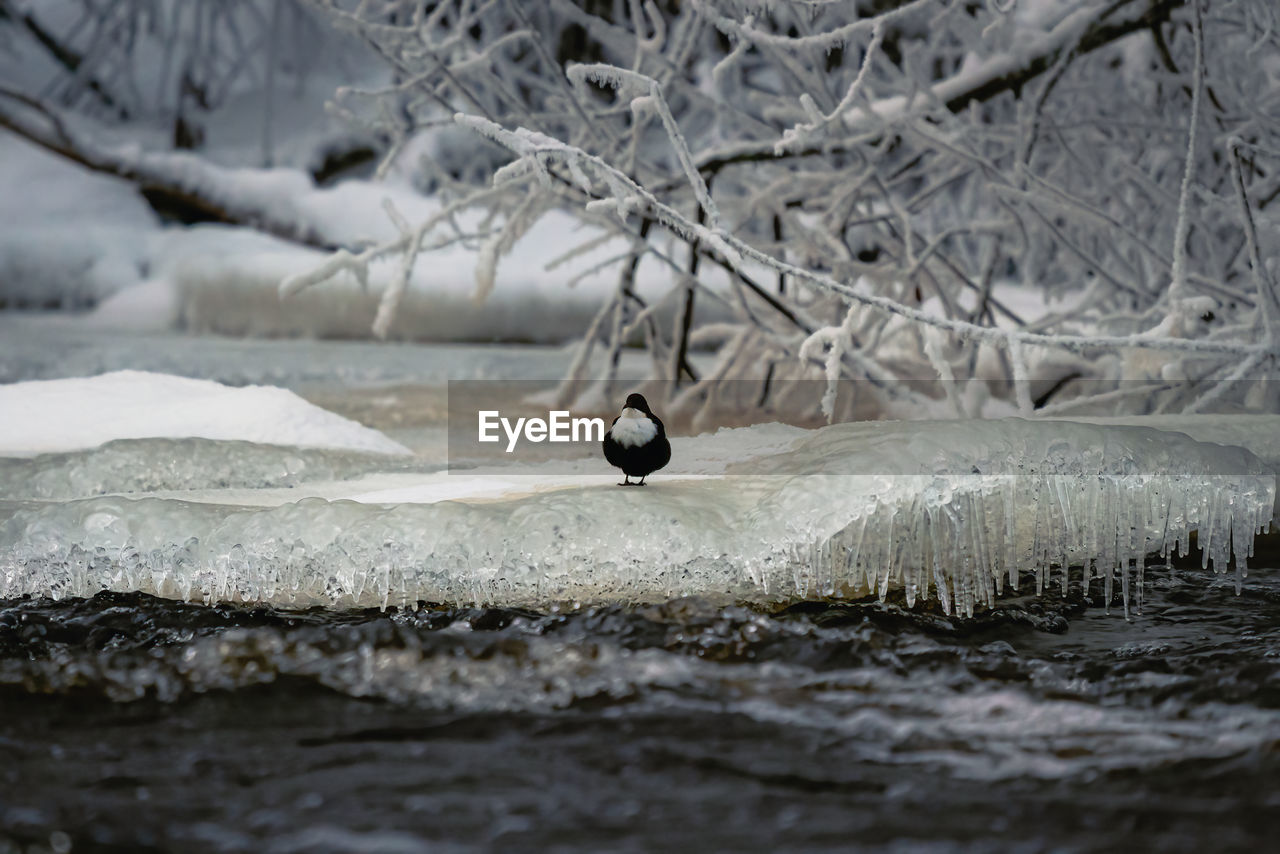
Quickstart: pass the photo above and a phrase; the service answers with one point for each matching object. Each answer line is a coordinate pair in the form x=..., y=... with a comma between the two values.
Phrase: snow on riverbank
x=948, y=510
x=75, y=240
x=78, y=241
x=71, y=414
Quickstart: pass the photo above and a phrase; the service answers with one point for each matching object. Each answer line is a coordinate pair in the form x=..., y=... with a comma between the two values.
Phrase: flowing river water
x=129, y=723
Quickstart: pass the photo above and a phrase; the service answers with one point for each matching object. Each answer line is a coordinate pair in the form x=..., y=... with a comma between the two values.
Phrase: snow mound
x=136, y=274
x=68, y=414
x=952, y=510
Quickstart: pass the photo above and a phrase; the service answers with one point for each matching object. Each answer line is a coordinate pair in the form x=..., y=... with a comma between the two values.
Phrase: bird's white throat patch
x=633, y=428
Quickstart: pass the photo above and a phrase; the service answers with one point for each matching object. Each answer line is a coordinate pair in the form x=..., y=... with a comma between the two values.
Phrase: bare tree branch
x=186, y=181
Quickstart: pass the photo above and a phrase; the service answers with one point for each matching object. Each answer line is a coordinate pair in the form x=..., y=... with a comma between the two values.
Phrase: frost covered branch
x=863, y=198
x=276, y=203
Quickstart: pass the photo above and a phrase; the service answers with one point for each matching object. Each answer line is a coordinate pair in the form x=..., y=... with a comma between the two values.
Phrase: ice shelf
x=950, y=510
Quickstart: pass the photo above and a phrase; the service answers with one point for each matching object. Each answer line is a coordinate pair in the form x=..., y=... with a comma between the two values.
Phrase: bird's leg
x=641, y=483
x=626, y=481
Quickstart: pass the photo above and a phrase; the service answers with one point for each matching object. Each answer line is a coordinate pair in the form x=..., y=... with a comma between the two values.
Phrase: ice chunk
x=196, y=466
x=61, y=415
x=1259, y=433
x=963, y=506
x=946, y=509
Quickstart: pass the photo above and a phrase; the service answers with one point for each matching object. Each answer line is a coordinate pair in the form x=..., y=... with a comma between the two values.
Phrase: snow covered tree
x=853, y=188
x=157, y=60
x=1071, y=201
x=78, y=74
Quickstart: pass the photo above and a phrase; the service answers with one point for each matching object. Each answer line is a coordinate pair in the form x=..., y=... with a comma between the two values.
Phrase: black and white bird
x=637, y=441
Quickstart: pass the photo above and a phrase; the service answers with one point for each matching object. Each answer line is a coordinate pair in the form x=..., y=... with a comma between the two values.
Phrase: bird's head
x=637, y=402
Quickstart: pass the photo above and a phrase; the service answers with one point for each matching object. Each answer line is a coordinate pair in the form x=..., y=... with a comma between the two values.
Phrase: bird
x=637, y=441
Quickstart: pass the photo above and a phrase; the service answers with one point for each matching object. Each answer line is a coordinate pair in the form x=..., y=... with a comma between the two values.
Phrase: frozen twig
x=1268, y=298
x=1178, y=273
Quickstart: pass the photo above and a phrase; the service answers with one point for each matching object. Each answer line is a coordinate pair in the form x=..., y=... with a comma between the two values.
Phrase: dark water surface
x=134, y=724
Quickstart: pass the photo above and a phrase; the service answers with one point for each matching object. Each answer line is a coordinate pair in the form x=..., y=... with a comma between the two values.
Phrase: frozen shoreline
x=951, y=510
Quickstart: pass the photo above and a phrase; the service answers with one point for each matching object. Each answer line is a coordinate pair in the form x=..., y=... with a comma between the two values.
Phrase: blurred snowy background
x=212, y=169
x=1062, y=198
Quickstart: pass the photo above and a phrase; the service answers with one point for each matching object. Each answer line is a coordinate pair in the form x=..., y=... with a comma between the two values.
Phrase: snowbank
x=226, y=281
x=83, y=241
x=61, y=415
x=80, y=240
x=70, y=237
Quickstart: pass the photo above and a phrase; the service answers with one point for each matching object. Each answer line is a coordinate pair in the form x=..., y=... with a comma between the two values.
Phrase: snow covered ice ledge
x=970, y=505
x=947, y=509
